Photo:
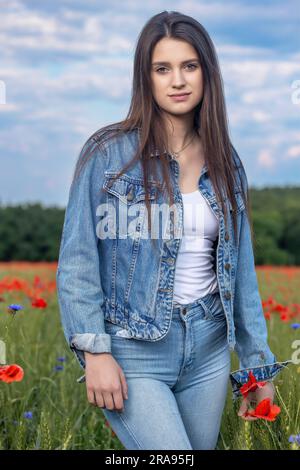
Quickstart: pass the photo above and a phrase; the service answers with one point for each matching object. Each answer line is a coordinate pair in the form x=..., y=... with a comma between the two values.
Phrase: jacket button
x=130, y=195
x=227, y=266
x=227, y=295
x=170, y=261
x=227, y=236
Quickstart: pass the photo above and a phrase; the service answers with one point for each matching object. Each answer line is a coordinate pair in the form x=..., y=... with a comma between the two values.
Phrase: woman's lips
x=180, y=97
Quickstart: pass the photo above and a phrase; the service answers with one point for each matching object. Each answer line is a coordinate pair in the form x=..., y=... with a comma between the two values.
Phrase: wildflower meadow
x=43, y=407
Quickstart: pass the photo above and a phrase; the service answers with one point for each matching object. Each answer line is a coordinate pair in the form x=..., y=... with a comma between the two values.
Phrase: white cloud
x=9, y=107
x=68, y=32
x=293, y=152
x=59, y=63
x=265, y=159
x=260, y=73
x=234, y=10
x=260, y=116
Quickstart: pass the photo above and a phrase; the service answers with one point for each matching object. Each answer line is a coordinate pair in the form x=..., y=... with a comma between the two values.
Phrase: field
x=48, y=409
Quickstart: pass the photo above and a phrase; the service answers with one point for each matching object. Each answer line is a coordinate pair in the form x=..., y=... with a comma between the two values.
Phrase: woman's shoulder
x=112, y=136
x=94, y=152
x=108, y=149
x=239, y=168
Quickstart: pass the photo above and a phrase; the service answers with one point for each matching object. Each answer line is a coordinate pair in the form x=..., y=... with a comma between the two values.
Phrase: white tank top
x=194, y=273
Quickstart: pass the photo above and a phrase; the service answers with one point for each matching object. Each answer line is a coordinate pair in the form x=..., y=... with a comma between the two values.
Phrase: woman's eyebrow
x=168, y=63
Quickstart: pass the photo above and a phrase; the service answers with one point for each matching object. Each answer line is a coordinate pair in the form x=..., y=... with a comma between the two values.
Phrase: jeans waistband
x=184, y=309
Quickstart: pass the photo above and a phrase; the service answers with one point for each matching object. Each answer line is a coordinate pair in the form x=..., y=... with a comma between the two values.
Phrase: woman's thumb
x=124, y=384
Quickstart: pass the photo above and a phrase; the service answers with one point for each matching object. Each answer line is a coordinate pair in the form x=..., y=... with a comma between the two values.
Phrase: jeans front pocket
x=215, y=311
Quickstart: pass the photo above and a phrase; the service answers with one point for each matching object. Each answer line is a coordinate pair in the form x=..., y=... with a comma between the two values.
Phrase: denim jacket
x=128, y=281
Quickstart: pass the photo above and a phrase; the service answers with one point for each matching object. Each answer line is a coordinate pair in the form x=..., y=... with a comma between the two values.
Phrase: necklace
x=176, y=154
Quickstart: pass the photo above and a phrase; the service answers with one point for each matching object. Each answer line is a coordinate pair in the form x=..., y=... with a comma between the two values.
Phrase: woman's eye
x=188, y=65
x=157, y=70
x=193, y=65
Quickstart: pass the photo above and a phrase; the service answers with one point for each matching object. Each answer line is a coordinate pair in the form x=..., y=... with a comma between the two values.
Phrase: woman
x=155, y=341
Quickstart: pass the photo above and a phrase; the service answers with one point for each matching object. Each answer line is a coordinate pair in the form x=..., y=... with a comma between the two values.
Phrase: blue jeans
x=177, y=386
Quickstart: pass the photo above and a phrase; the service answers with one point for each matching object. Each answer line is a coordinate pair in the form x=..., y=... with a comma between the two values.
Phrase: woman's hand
x=253, y=398
x=105, y=381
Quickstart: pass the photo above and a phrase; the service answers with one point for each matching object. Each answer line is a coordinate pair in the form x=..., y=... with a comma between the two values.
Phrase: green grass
x=62, y=417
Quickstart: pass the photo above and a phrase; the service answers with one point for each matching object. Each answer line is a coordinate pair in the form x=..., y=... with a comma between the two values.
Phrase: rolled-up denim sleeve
x=79, y=289
x=251, y=331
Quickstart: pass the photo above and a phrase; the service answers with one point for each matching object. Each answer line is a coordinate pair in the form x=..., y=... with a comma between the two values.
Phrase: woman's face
x=180, y=72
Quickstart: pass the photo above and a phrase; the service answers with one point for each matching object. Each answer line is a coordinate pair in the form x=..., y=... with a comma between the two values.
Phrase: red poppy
x=37, y=282
x=251, y=385
x=264, y=410
x=39, y=303
x=11, y=373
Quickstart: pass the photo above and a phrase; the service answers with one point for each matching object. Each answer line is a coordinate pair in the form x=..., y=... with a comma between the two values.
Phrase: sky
x=66, y=71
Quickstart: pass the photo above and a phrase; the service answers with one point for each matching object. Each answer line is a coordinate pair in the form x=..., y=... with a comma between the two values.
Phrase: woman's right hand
x=105, y=381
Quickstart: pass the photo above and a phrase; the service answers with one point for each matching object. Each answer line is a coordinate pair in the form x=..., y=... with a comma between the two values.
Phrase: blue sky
x=67, y=70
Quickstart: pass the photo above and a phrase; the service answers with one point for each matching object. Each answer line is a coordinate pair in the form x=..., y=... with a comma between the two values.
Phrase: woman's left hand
x=253, y=398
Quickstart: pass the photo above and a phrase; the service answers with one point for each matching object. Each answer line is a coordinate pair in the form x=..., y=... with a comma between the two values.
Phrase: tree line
x=32, y=232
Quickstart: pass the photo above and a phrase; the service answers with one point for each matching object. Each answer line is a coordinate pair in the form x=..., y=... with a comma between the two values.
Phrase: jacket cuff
x=262, y=373
x=90, y=342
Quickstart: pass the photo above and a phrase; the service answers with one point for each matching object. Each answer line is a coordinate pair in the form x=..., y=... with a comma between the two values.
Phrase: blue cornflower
x=61, y=359
x=294, y=438
x=295, y=325
x=13, y=308
x=28, y=414
x=58, y=367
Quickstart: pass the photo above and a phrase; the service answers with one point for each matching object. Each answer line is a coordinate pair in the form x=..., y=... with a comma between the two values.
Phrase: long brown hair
x=210, y=117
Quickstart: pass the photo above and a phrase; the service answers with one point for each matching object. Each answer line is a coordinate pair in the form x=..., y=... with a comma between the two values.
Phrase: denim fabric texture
x=182, y=379
x=129, y=282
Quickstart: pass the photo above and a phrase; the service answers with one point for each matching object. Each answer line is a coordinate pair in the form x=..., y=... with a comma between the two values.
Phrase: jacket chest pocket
x=126, y=203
